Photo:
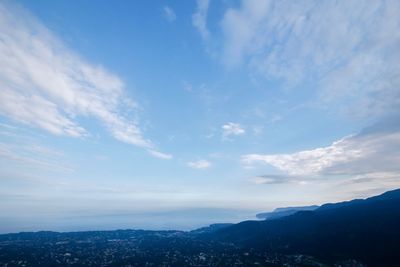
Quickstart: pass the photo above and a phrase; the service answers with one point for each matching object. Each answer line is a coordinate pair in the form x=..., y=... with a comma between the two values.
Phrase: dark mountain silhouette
x=282, y=212
x=367, y=230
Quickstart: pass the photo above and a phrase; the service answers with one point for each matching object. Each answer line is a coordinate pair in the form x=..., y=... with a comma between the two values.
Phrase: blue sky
x=142, y=114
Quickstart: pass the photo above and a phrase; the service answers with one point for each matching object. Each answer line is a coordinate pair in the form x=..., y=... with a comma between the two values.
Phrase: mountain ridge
x=282, y=212
x=364, y=229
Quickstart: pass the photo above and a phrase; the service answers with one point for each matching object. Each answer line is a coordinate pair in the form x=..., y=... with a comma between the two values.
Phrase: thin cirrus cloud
x=28, y=152
x=199, y=18
x=36, y=157
x=169, y=14
x=277, y=179
x=200, y=164
x=48, y=86
x=348, y=50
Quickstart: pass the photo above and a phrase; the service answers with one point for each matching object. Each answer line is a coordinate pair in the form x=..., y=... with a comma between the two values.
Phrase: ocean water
x=184, y=219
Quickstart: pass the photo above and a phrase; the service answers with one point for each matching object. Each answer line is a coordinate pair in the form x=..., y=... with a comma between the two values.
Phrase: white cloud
x=200, y=164
x=169, y=14
x=308, y=161
x=199, y=18
x=37, y=111
x=348, y=50
x=160, y=155
x=46, y=85
x=355, y=166
x=365, y=153
x=230, y=129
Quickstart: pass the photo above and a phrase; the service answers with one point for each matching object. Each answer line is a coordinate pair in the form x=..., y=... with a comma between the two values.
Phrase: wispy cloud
x=160, y=155
x=277, y=179
x=33, y=156
x=199, y=18
x=348, y=50
x=47, y=85
x=169, y=14
x=200, y=164
x=241, y=28
x=21, y=150
x=231, y=129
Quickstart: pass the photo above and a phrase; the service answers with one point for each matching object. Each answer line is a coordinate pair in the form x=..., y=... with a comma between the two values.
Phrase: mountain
x=211, y=228
x=366, y=230
x=282, y=212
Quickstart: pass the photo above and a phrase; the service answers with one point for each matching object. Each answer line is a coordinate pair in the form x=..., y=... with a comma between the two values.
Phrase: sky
x=177, y=114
